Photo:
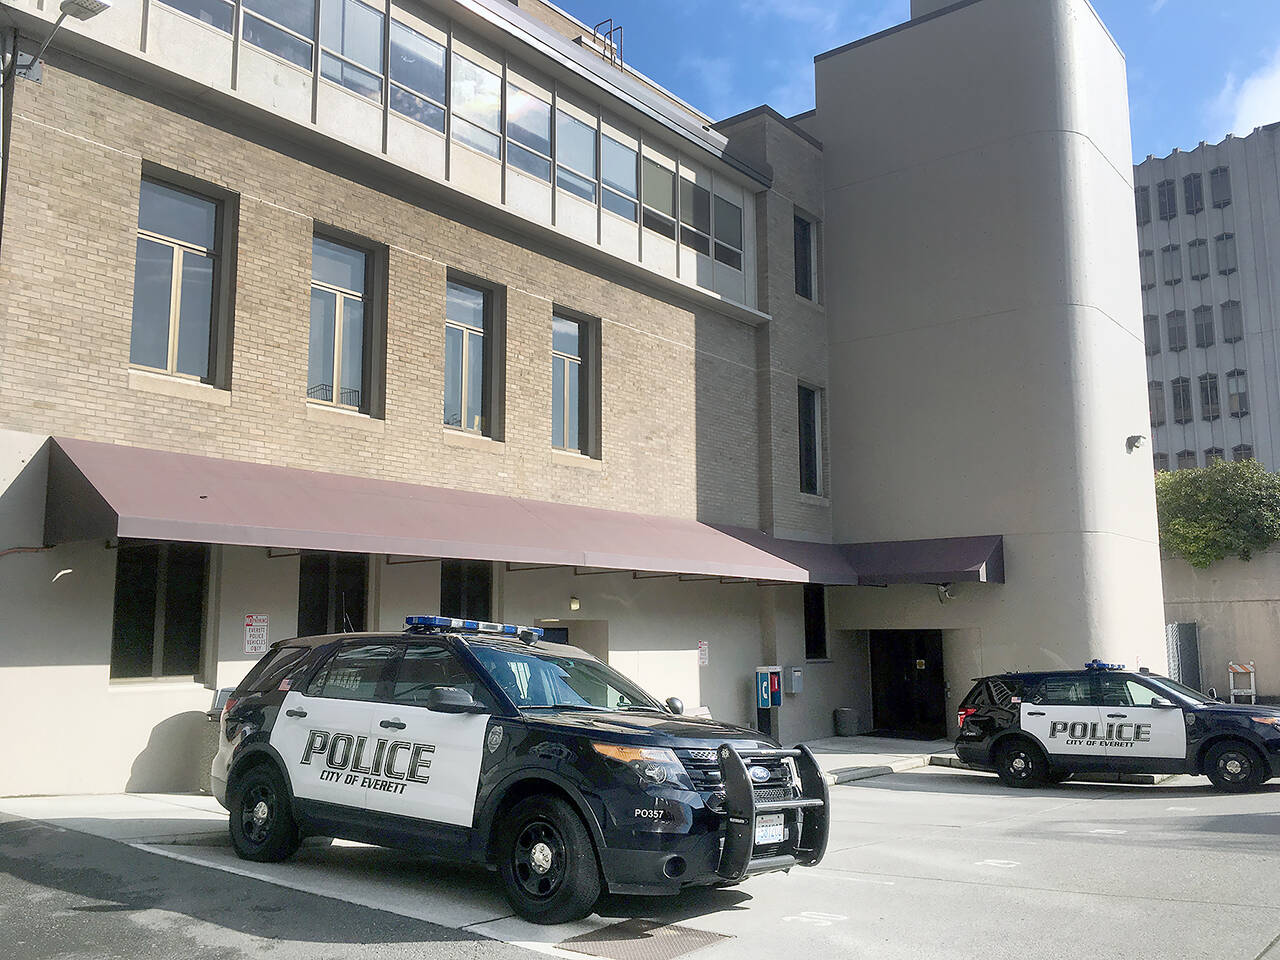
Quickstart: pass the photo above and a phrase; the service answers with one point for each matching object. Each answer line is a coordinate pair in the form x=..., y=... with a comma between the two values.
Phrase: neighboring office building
x=249, y=260
x=1208, y=232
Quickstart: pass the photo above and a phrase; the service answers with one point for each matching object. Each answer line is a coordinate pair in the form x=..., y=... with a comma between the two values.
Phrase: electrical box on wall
x=792, y=680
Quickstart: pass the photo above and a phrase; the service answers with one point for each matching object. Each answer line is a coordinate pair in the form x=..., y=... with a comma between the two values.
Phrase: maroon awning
x=101, y=490
x=948, y=560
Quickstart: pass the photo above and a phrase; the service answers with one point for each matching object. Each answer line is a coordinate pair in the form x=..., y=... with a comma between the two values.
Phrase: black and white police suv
x=482, y=742
x=1038, y=728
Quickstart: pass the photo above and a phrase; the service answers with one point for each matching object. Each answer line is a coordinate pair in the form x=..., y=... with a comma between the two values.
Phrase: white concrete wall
x=984, y=318
x=1237, y=607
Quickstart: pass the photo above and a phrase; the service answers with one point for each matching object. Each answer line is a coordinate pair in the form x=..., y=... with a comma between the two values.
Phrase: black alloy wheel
x=1021, y=764
x=261, y=822
x=1235, y=767
x=547, y=861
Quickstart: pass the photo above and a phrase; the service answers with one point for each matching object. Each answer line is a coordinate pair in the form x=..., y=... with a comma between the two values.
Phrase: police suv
x=1038, y=728
x=482, y=742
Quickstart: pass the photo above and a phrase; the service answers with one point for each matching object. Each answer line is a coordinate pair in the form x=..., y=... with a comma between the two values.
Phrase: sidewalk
x=846, y=759
x=177, y=818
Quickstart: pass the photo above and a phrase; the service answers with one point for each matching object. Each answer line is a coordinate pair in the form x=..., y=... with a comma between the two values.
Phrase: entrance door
x=908, y=692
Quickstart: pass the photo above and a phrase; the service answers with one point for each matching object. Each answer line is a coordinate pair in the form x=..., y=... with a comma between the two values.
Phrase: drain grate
x=641, y=940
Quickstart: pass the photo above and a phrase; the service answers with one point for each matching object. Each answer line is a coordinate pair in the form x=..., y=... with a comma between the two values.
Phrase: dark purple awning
x=99, y=490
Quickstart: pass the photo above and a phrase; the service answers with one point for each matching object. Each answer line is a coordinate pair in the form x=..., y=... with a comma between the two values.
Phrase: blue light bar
x=527, y=634
x=1099, y=665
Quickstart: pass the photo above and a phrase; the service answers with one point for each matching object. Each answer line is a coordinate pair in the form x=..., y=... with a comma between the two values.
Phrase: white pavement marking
x=1004, y=864
x=1181, y=809
x=1109, y=832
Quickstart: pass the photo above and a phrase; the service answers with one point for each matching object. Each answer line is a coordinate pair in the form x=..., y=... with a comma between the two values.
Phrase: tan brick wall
x=679, y=382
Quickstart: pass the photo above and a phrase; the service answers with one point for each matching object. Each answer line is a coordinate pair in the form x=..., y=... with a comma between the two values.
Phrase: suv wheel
x=261, y=822
x=1019, y=763
x=547, y=861
x=1234, y=766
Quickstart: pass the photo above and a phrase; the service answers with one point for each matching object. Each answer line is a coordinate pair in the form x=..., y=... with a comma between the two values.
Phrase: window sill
x=472, y=441
x=819, y=660
x=154, y=684
x=166, y=385
x=568, y=459
x=337, y=416
x=817, y=500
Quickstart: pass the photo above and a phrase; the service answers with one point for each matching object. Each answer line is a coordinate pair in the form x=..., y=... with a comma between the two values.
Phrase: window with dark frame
x=1212, y=454
x=577, y=160
x=1155, y=401
x=1242, y=451
x=815, y=621
x=1180, y=388
x=340, y=345
x=333, y=593
x=1161, y=462
x=695, y=216
x=1193, y=193
x=659, y=184
x=416, y=75
x=810, y=421
x=466, y=589
x=1202, y=320
x=1237, y=393
x=1147, y=268
x=1198, y=255
x=528, y=132
x=469, y=343
x=1142, y=202
x=476, y=104
x=1171, y=263
x=1225, y=247
x=1210, y=404
x=1167, y=197
x=1151, y=334
x=1220, y=186
x=159, y=616
x=351, y=46
x=219, y=14
x=1175, y=322
x=1188, y=460
x=619, y=182
x=568, y=390
x=1232, y=322
x=283, y=28
x=804, y=257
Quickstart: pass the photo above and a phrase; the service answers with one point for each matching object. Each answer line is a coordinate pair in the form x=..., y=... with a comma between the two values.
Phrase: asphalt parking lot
x=934, y=863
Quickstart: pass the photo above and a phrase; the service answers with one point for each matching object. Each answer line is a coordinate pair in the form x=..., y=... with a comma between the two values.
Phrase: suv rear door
x=1061, y=711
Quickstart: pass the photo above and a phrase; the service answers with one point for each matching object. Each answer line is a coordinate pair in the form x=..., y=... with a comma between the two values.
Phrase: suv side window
x=426, y=666
x=1116, y=690
x=353, y=673
x=1003, y=690
x=1065, y=690
x=1142, y=695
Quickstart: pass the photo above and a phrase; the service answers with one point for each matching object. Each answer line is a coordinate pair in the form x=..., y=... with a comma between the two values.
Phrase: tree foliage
x=1224, y=509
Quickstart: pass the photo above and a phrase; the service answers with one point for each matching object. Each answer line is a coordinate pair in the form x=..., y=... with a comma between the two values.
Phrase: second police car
x=1038, y=728
x=482, y=742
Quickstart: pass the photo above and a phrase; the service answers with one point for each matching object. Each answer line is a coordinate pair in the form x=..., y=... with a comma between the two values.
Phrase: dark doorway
x=908, y=692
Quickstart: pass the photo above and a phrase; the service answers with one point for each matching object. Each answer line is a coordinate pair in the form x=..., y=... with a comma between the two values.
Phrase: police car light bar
x=527, y=634
x=1099, y=665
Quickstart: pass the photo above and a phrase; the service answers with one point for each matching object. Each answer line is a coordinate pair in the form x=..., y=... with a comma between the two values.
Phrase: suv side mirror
x=453, y=700
x=675, y=705
x=1162, y=703
x=1212, y=693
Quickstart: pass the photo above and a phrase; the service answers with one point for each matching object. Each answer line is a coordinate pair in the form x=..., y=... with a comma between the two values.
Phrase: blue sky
x=1197, y=70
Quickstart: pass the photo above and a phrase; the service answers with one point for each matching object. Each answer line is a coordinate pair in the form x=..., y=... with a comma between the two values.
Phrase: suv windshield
x=1173, y=686
x=536, y=680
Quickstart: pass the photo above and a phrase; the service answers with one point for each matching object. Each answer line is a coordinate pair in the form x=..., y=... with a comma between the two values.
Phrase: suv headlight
x=1272, y=722
x=651, y=764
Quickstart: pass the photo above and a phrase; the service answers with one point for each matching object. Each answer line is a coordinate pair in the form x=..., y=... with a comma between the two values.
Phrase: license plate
x=770, y=828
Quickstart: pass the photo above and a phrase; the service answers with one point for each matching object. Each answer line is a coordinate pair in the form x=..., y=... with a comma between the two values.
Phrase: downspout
x=8, y=55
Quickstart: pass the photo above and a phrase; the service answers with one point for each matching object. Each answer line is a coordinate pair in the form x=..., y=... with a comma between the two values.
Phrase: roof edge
x=764, y=110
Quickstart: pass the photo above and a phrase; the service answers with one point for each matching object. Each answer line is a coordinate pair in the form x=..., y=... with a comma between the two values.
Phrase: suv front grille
x=704, y=770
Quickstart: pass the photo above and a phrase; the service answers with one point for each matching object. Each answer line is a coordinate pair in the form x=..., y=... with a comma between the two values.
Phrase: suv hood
x=648, y=728
x=1238, y=709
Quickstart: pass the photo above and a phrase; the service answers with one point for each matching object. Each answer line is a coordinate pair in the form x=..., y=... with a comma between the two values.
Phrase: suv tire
x=1020, y=763
x=1234, y=766
x=261, y=823
x=547, y=861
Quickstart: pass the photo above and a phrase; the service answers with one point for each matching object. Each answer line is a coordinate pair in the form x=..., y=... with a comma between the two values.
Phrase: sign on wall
x=704, y=652
x=256, y=629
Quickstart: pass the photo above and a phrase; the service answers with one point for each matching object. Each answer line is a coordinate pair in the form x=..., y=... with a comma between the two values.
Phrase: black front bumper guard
x=737, y=860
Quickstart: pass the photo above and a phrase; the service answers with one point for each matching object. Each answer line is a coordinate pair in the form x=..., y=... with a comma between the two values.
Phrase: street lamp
x=76, y=9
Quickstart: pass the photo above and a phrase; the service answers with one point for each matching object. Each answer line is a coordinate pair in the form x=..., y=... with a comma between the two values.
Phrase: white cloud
x=1157, y=6
x=1252, y=102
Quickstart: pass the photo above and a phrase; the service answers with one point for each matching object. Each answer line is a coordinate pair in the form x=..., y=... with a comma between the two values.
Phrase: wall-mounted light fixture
x=77, y=10
x=574, y=603
x=1134, y=442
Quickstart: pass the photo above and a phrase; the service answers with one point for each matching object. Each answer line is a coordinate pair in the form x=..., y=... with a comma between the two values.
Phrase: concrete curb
x=850, y=774
x=1135, y=779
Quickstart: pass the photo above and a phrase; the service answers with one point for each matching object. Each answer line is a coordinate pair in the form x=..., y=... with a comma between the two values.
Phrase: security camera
x=944, y=593
x=1134, y=442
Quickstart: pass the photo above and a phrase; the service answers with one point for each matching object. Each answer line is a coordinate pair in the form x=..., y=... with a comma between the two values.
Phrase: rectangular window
x=1203, y=319
x=1167, y=194
x=810, y=420
x=1142, y=200
x=1151, y=334
x=1220, y=186
x=477, y=106
x=1181, y=390
x=659, y=185
x=1198, y=254
x=619, y=176
x=467, y=338
x=339, y=345
x=804, y=258
x=1225, y=247
x=351, y=46
x=1232, y=322
x=728, y=221
x=1243, y=451
x=575, y=156
x=333, y=593
x=528, y=133
x=695, y=217
x=1155, y=401
x=285, y=28
x=1210, y=407
x=1187, y=460
x=176, y=278
x=1193, y=193
x=1171, y=263
x=567, y=388
x=417, y=77
x=1176, y=330
x=216, y=13
x=1161, y=461
x=1211, y=455
x=815, y=621
x=1147, y=266
x=466, y=589
x=158, y=625
x=1237, y=393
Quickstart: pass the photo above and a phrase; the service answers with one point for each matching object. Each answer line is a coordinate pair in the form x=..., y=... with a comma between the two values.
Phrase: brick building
x=313, y=316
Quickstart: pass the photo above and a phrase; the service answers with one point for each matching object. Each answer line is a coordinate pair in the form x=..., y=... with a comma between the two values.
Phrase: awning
x=103, y=490
x=947, y=560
